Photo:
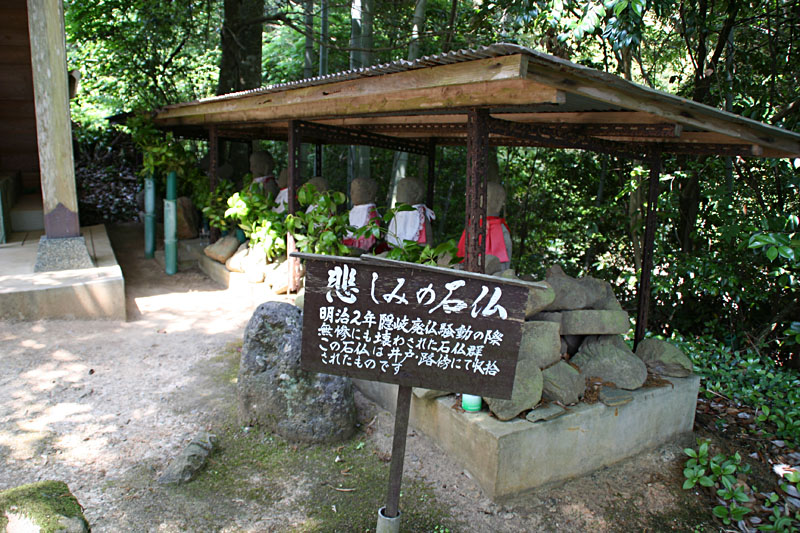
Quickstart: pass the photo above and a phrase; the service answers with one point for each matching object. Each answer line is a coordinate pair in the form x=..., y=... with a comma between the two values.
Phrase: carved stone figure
x=411, y=225
x=262, y=166
x=498, y=236
x=282, y=199
x=320, y=184
x=363, y=192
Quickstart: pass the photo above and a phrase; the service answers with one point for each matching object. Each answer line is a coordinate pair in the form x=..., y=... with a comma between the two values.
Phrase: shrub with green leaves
x=321, y=229
x=749, y=378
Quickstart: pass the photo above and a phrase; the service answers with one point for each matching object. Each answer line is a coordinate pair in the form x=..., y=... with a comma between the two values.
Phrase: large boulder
x=569, y=292
x=46, y=507
x=187, y=219
x=221, y=250
x=235, y=263
x=664, y=358
x=563, y=383
x=527, y=390
x=609, y=358
x=275, y=393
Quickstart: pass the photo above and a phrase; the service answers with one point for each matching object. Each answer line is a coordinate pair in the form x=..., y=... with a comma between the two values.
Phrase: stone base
x=510, y=457
x=62, y=254
x=97, y=292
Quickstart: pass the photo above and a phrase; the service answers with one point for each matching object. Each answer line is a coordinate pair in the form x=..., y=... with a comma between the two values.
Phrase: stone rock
x=569, y=292
x=540, y=342
x=594, y=322
x=608, y=302
x=492, y=265
x=545, y=412
x=300, y=299
x=278, y=276
x=594, y=289
x=608, y=358
x=527, y=390
x=221, y=250
x=539, y=298
x=614, y=397
x=563, y=383
x=548, y=317
x=507, y=274
x=190, y=462
x=573, y=343
x=187, y=220
x=255, y=265
x=664, y=358
x=235, y=263
x=275, y=393
x=35, y=507
x=429, y=394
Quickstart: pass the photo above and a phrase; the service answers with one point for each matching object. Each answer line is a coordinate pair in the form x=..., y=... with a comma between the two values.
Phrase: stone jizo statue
x=498, y=236
x=262, y=167
x=411, y=225
x=282, y=198
x=363, y=192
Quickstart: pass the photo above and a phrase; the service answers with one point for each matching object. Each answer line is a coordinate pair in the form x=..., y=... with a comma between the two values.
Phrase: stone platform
x=97, y=292
x=510, y=457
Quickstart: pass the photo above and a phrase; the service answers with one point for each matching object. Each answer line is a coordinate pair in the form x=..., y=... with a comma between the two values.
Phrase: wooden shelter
x=501, y=94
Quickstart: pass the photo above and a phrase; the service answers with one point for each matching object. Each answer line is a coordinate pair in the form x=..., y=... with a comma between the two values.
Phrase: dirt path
x=105, y=405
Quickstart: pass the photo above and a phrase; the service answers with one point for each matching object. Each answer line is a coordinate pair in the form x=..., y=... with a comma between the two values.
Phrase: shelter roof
x=534, y=99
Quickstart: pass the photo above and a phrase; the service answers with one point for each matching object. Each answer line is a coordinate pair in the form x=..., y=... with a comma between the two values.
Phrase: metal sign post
x=412, y=325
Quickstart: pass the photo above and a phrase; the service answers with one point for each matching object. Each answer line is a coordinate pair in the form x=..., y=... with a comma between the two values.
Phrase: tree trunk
x=400, y=163
x=360, y=56
x=240, y=65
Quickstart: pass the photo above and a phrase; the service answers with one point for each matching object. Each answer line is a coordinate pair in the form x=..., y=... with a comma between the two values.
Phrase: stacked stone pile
x=254, y=264
x=573, y=334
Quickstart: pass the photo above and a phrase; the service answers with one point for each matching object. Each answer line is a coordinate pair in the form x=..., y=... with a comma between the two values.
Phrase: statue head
x=225, y=171
x=495, y=198
x=283, y=178
x=261, y=163
x=363, y=191
x=320, y=184
x=410, y=191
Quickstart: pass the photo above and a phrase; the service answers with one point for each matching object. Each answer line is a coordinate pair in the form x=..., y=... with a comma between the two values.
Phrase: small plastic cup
x=471, y=403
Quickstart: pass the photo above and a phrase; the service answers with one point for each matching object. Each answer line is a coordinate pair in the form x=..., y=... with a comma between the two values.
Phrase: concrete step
x=28, y=213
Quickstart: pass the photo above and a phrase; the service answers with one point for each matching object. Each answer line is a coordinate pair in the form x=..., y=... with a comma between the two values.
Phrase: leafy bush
x=321, y=230
x=723, y=478
x=749, y=378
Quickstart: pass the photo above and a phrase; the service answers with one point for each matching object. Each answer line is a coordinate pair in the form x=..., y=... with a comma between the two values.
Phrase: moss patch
x=44, y=503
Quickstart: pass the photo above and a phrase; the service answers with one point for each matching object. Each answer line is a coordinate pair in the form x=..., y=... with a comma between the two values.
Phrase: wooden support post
x=295, y=144
x=431, y=175
x=53, y=129
x=477, y=166
x=398, y=450
x=651, y=221
x=318, y=160
x=213, y=163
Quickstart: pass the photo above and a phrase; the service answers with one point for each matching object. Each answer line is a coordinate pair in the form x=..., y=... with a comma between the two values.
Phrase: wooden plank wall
x=18, y=145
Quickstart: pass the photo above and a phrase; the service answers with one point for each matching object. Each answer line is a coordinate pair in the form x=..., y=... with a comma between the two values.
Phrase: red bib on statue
x=495, y=243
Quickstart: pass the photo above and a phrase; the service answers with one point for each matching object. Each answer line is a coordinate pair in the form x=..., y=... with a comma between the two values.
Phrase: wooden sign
x=414, y=325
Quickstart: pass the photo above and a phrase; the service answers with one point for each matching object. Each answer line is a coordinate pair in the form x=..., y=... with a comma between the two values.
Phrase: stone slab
x=510, y=457
x=88, y=293
x=593, y=322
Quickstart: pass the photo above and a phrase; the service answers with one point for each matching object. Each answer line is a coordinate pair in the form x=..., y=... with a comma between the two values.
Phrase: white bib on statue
x=407, y=225
x=281, y=200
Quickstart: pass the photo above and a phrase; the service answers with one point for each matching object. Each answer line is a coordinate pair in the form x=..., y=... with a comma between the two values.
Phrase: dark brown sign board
x=413, y=325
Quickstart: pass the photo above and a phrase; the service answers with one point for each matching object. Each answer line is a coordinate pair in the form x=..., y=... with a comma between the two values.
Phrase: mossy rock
x=47, y=504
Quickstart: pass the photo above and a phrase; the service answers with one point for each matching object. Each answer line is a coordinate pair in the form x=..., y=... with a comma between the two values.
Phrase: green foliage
x=725, y=482
x=321, y=230
x=216, y=206
x=749, y=378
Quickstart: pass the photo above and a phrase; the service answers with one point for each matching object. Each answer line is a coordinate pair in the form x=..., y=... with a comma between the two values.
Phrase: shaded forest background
x=727, y=250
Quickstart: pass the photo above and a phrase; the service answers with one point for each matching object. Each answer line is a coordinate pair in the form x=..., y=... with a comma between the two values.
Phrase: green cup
x=471, y=403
